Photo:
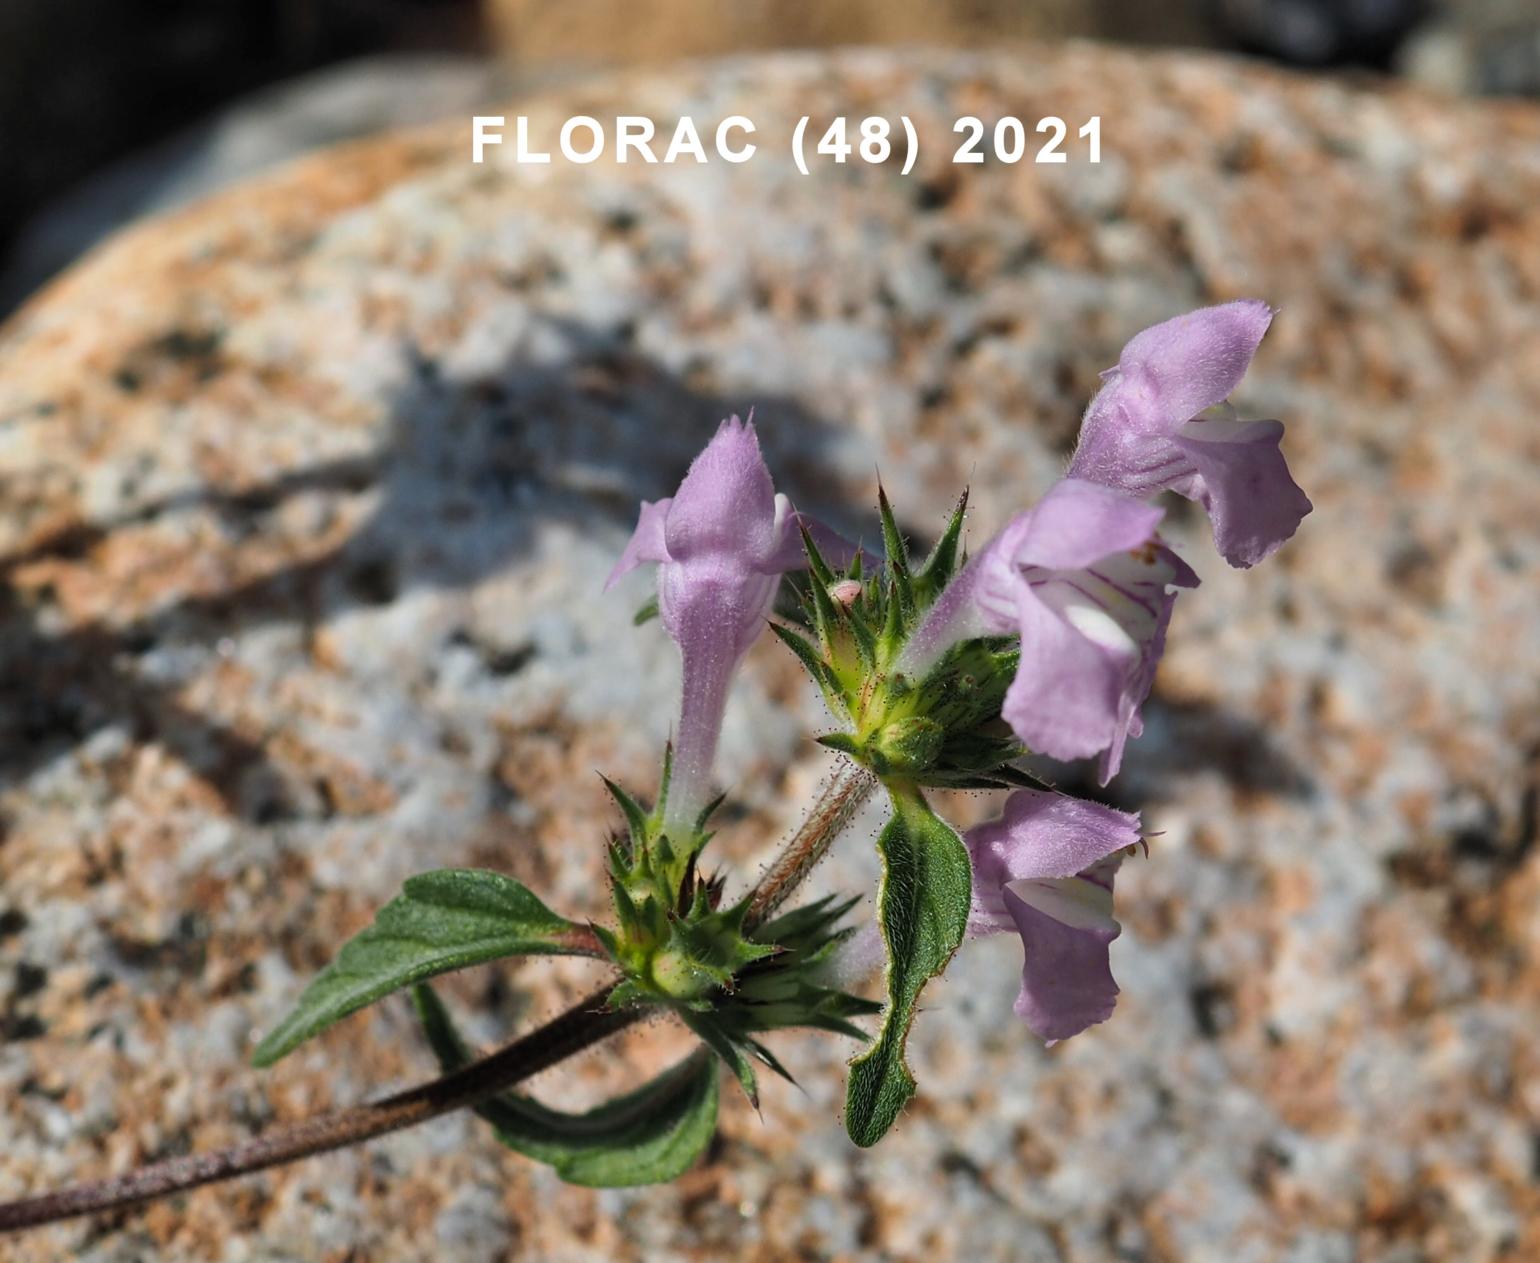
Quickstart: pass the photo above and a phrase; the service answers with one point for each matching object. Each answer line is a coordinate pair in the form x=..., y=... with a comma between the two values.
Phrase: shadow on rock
x=1182, y=740
x=470, y=470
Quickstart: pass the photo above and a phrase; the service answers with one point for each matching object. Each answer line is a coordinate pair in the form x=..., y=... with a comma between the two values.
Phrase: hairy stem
x=580, y=1026
x=583, y=1025
x=841, y=798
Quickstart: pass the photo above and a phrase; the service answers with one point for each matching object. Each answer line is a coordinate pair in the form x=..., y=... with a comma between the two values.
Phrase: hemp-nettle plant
x=938, y=672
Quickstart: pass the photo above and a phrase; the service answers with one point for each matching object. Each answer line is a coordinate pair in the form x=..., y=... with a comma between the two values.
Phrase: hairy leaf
x=441, y=921
x=922, y=907
x=810, y=658
x=939, y=567
x=636, y=816
x=898, y=558
x=648, y=1136
x=731, y=1051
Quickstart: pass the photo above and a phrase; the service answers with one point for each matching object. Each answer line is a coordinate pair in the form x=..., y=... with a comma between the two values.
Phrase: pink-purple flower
x=1085, y=582
x=1044, y=868
x=721, y=543
x=1161, y=423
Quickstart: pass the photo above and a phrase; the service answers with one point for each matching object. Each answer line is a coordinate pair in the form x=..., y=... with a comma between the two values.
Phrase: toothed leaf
x=922, y=908
x=441, y=921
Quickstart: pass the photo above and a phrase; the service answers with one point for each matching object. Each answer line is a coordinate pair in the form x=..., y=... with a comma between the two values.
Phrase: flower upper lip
x=721, y=543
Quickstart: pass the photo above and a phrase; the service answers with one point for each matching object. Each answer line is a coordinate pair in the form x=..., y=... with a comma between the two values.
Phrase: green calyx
x=682, y=959
x=673, y=940
x=787, y=986
x=678, y=947
x=941, y=729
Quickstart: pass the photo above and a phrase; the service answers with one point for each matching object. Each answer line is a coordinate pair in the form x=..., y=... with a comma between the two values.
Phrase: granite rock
x=308, y=493
x=530, y=34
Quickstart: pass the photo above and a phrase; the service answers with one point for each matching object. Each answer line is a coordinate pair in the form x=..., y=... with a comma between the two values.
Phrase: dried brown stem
x=580, y=1027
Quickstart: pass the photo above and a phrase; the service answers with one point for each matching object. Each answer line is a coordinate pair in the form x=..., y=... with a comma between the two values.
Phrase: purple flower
x=1085, y=582
x=1161, y=422
x=1045, y=868
x=721, y=543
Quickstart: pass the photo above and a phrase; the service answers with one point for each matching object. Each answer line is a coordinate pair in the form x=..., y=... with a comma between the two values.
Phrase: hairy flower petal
x=646, y=542
x=1066, y=977
x=1145, y=430
x=1039, y=835
x=1077, y=523
x=714, y=615
x=721, y=544
x=1045, y=869
x=1086, y=584
x=1065, y=699
x=727, y=503
x=1244, y=483
x=1181, y=366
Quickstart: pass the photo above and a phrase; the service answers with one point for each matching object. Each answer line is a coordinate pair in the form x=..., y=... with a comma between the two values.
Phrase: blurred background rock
x=110, y=109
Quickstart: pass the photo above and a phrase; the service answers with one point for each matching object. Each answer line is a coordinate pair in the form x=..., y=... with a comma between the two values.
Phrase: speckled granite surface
x=306, y=495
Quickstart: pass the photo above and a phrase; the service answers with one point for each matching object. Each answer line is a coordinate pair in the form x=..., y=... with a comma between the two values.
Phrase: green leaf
x=809, y=657
x=1021, y=778
x=826, y=619
x=939, y=567
x=626, y=911
x=810, y=922
x=892, y=538
x=770, y=1059
x=665, y=780
x=822, y=576
x=709, y=810
x=728, y=1049
x=441, y=921
x=865, y=638
x=648, y=1136
x=898, y=560
x=636, y=816
x=922, y=907
x=893, y=629
x=842, y=742
x=714, y=944
x=645, y=613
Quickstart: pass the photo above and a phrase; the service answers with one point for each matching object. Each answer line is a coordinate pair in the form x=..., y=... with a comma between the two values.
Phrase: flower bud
x=845, y=593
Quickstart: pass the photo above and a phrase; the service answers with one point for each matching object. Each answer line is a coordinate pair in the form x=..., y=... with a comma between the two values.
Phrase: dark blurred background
x=110, y=109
